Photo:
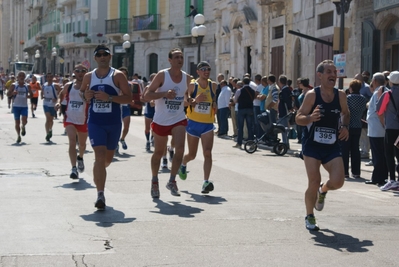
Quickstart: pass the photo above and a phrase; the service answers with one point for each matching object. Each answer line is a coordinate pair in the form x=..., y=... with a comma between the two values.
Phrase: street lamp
x=26, y=56
x=54, y=55
x=37, y=56
x=342, y=8
x=199, y=32
x=126, y=45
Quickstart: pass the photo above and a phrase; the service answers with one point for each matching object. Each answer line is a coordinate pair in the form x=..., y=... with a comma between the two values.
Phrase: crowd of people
x=335, y=127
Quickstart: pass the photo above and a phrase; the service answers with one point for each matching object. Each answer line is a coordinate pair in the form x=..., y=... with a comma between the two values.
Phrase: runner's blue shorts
x=125, y=111
x=322, y=154
x=19, y=111
x=104, y=135
x=198, y=128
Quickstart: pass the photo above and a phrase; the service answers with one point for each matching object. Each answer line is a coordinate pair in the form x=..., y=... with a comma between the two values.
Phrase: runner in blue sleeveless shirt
x=321, y=111
x=105, y=88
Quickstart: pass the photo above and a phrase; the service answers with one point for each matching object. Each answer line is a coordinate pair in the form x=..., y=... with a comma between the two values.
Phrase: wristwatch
x=344, y=126
x=110, y=98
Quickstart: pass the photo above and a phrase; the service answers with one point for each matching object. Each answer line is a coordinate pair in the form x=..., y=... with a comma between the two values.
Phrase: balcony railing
x=65, y=38
x=113, y=26
x=65, y=2
x=149, y=22
x=83, y=5
x=51, y=28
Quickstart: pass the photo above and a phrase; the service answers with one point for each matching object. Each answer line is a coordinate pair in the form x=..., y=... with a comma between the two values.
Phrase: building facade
x=243, y=36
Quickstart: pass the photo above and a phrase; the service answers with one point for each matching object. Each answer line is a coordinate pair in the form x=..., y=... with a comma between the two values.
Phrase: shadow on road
x=77, y=185
x=175, y=208
x=213, y=200
x=107, y=218
x=340, y=242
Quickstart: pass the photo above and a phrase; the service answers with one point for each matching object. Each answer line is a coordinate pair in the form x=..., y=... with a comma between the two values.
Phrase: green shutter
x=123, y=16
x=152, y=7
x=200, y=6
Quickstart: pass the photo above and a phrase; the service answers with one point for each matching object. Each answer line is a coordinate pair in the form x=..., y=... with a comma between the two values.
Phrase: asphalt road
x=254, y=217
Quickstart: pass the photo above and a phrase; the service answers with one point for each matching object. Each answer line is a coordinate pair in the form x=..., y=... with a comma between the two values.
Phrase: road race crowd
x=336, y=128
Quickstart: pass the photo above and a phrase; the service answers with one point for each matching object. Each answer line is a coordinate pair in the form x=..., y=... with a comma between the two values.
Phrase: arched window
x=392, y=33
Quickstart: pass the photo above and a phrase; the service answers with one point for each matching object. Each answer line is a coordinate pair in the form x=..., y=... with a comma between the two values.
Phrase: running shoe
x=183, y=172
x=389, y=185
x=74, y=173
x=207, y=187
x=19, y=139
x=148, y=146
x=320, y=199
x=23, y=131
x=171, y=153
x=311, y=224
x=50, y=134
x=124, y=146
x=370, y=163
x=33, y=115
x=164, y=164
x=155, y=190
x=117, y=149
x=81, y=165
x=100, y=203
x=172, y=186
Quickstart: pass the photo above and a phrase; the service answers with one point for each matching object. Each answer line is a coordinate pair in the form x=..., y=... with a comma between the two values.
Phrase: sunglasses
x=205, y=69
x=80, y=71
x=102, y=54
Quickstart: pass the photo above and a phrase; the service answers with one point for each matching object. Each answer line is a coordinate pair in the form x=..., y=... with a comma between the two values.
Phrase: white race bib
x=173, y=106
x=325, y=135
x=102, y=106
x=203, y=108
x=76, y=106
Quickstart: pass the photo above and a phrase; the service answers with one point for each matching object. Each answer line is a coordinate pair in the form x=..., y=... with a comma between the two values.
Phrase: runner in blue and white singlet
x=104, y=112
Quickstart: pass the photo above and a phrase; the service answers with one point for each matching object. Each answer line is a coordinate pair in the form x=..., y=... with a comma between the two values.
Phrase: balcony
x=31, y=43
x=37, y=4
x=51, y=28
x=65, y=2
x=90, y=40
x=269, y=2
x=66, y=39
x=149, y=22
x=117, y=27
x=83, y=5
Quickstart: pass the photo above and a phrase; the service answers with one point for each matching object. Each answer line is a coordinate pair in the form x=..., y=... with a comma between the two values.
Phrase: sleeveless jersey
x=21, y=98
x=104, y=112
x=49, y=94
x=324, y=132
x=35, y=89
x=171, y=111
x=76, y=109
x=203, y=111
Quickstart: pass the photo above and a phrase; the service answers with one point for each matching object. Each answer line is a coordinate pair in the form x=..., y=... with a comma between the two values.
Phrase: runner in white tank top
x=168, y=89
x=75, y=119
x=21, y=92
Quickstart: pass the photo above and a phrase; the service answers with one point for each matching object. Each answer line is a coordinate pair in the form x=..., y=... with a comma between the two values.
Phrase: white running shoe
x=389, y=185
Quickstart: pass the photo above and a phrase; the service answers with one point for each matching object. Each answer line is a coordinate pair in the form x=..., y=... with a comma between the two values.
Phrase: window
x=278, y=32
x=326, y=20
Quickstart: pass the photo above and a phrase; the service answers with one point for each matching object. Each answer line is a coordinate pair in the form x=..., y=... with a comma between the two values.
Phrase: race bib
x=325, y=135
x=102, y=106
x=203, y=108
x=76, y=106
x=173, y=106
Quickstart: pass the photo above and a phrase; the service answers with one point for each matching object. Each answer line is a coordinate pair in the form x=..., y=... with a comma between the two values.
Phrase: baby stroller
x=270, y=136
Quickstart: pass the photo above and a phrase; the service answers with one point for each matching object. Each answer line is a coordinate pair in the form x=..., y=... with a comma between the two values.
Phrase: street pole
x=341, y=39
x=199, y=41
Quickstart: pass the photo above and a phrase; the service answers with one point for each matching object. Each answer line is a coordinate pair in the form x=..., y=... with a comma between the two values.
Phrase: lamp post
x=54, y=55
x=126, y=45
x=342, y=8
x=199, y=32
x=37, y=56
x=26, y=56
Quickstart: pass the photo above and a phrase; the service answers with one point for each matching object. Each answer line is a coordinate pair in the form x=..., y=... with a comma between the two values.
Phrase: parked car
x=136, y=93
